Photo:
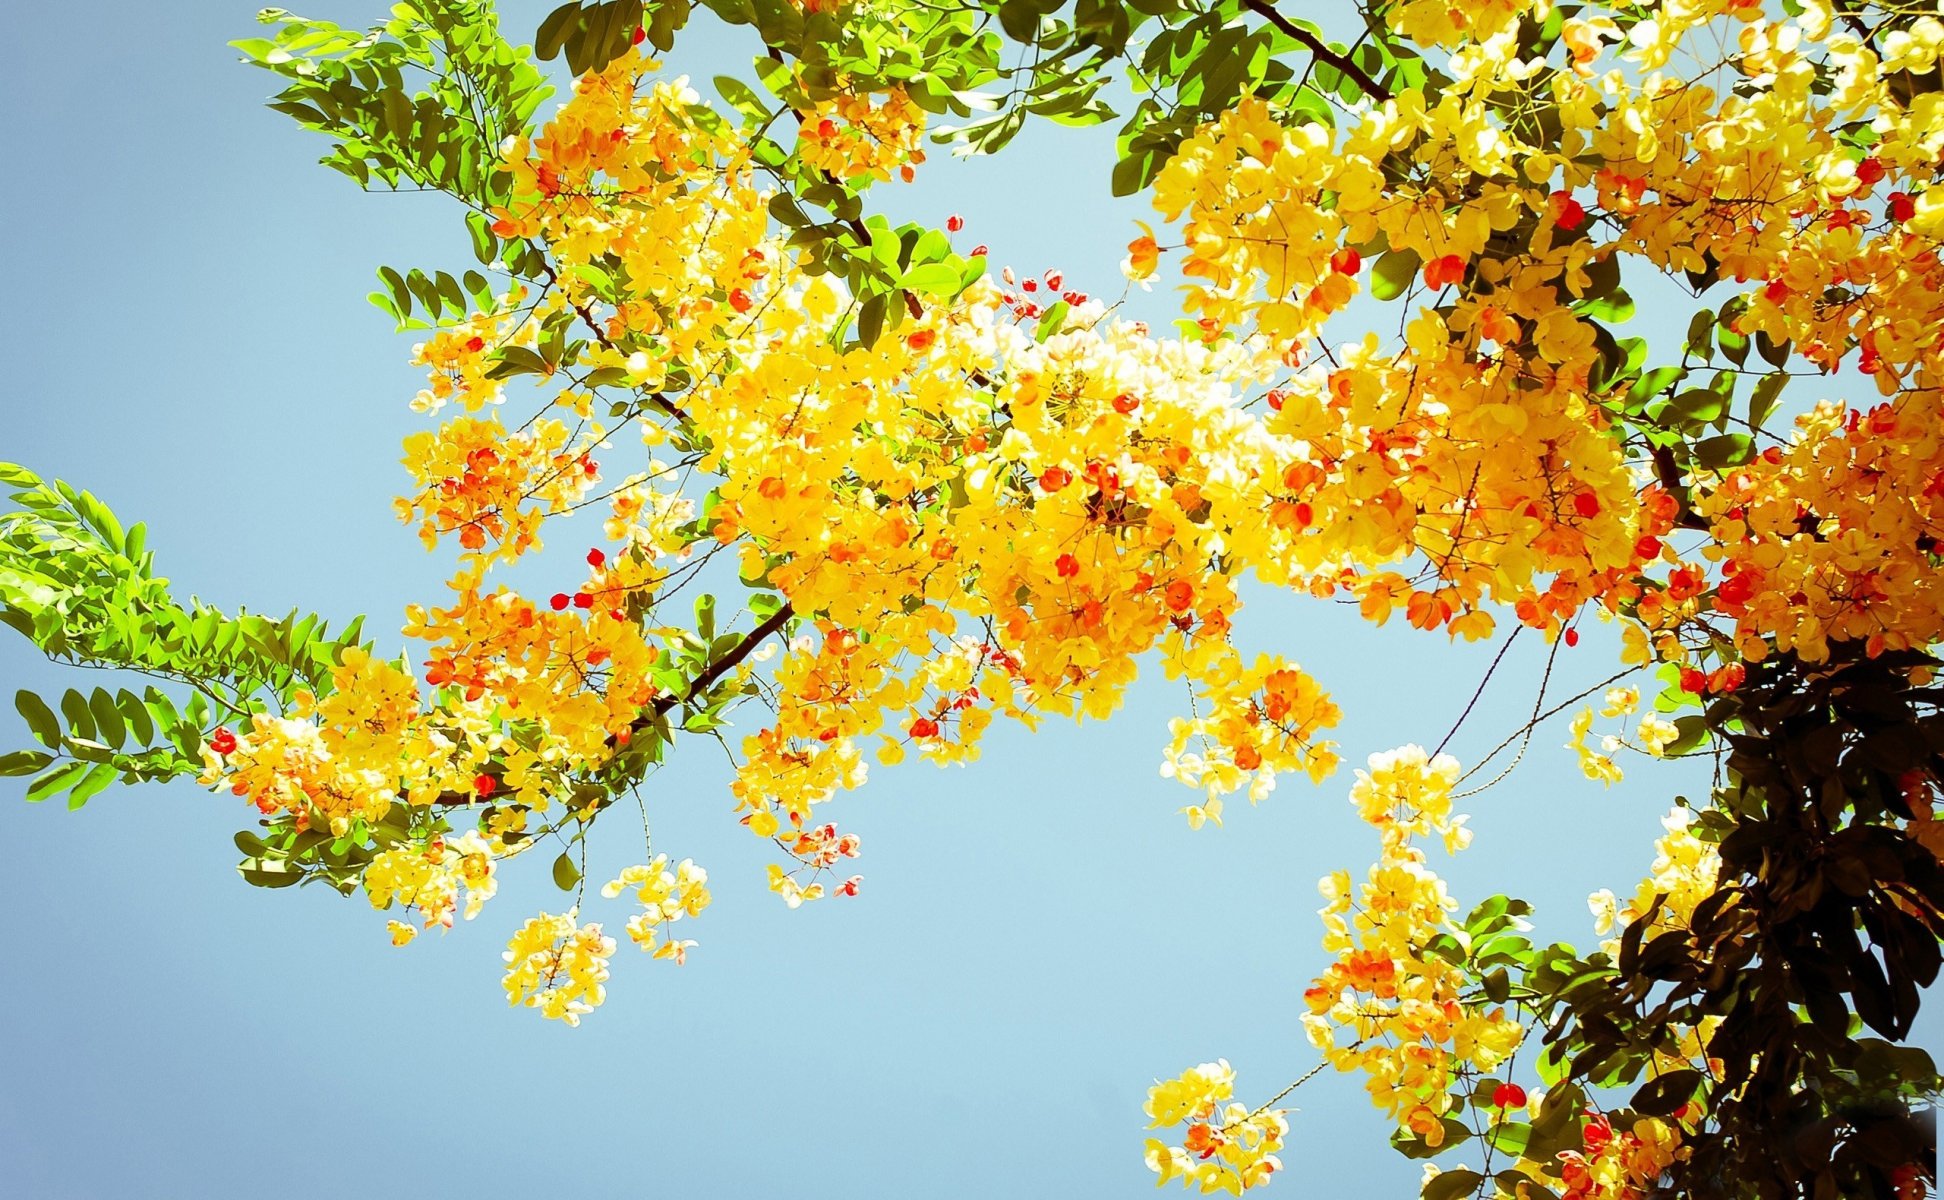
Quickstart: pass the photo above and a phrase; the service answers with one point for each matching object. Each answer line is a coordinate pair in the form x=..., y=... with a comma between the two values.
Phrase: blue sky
x=1039, y=936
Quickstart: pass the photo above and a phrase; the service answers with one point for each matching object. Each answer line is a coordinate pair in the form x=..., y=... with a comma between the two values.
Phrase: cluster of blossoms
x=348, y=758
x=492, y=488
x=1404, y=1010
x=1482, y=442
x=1651, y=736
x=1837, y=535
x=1225, y=1146
x=430, y=880
x=975, y=519
x=461, y=359
x=1625, y=1164
x=852, y=135
x=1684, y=874
x=665, y=897
x=558, y=966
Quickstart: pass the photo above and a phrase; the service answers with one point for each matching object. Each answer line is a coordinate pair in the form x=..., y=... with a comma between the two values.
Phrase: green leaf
x=1692, y=733
x=74, y=706
x=1699, y=406
x=552, y=34
x=1661, y=1096
x=271, y=874
x=108, y=720
x=1449, y=1185
x=56, y=780
x=565, y=873
x=1700, y=334
x=931, y=279
x=1509, y=1137
x=1498, y=985
x=40, y=719
x=870, y=319
x=741, y=97
x=1727, y=450
x=1768, y=393
x=1050, y=321
x=24, y=762
x=1393, y=272
x=519, y=360
x=99, y=776
x=136, y=714
x=1653, y=383
x=1616, y=306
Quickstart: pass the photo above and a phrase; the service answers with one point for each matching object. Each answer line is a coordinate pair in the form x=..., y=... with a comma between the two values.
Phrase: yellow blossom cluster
x=852, y=135
x=1651, y=736
x=558, y=966
x=666, y=897
x=461, y=360
x=492, y=488
x=1403, y=1008
x=1623, y=1164
x=351, y=756
x=430, y=879
x=1684, y=874
x=1225, y=1147
x=971, y=518
x=1503, y=473
x=1837, y=535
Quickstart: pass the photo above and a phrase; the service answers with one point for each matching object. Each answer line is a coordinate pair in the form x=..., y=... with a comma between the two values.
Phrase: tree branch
x=715, y=670
x=1317, y=47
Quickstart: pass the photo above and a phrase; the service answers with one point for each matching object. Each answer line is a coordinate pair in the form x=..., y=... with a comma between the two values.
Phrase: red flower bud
x=1568, y=213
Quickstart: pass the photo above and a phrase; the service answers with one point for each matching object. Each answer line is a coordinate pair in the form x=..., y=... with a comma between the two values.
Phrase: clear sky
x=1039, y=936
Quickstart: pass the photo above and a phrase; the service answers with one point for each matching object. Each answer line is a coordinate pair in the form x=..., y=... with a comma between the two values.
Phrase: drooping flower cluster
x=665, y=897
x=1404, y=1010
x=558, y=966
x=1225, y=1147
x=430, y=879
x=1624, y=1164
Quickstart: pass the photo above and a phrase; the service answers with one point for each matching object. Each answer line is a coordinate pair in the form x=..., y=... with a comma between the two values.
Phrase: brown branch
x=1316, y=47
x=715, y=670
